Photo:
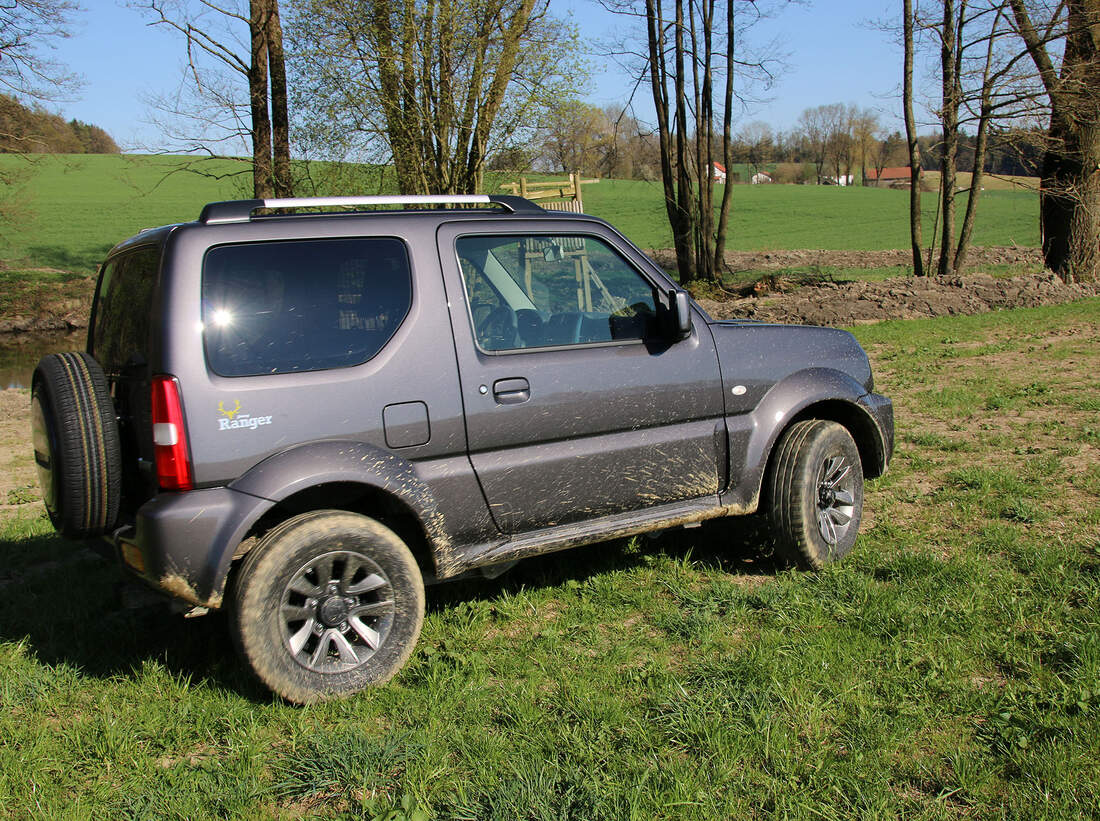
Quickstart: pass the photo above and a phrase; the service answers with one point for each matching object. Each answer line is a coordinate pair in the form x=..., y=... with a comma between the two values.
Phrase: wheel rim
x=336, y=612
x=836, y=501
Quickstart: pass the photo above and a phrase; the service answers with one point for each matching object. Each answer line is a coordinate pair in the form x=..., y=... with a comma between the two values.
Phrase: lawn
x=80, y=205
x=813, y=216
x=950, y=667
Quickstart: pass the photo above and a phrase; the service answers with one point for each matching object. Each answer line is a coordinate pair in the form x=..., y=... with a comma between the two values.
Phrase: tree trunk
x=1069, y=192
x=280, y=124
x=1068, y=202
x=257, y=94
x=949, y=118
x=727, y=124
x=985, y=115
x=914, y=146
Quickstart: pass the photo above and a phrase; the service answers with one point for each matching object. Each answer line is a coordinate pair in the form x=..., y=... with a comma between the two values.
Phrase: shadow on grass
x=75, y=607
x=737, y=545
x=55, y=256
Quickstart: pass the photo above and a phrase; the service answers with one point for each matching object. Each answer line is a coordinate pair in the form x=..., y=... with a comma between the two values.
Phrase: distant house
x=718, y=172
x=761, y=178
x=896, y=177
x=843, y=179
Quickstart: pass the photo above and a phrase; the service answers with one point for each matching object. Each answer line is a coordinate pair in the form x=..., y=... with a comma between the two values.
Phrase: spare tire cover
x=76, y=444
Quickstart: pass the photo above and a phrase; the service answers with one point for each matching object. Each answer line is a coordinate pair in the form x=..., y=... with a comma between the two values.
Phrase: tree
x=690, y=48
x=575, y=137
x=969, y=34
x=758, y=143
x=887, y=151
x=865, y=136
x=827, y=132
x=1062, y=44
x=909, y=43
x=32, y=129
x=211, y=109
x=435, y=86
x=29, y=29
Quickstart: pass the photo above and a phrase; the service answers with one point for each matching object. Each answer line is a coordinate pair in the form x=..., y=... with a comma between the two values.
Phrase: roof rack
x=242, y=210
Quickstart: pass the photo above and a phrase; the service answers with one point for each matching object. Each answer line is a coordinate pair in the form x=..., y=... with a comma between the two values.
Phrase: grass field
x=949, y=668
x=81, y=205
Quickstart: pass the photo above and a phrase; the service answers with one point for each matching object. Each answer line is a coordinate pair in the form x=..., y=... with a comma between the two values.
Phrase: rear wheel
x=327, y=604
x=76, y=445
x=815, y=493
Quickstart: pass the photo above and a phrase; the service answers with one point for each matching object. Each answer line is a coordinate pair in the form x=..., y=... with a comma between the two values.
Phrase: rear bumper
x=183, y=543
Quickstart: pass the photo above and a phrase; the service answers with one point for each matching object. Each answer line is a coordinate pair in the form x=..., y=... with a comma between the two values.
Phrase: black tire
x=311, y=598
x=76, y=444
x=815, y=493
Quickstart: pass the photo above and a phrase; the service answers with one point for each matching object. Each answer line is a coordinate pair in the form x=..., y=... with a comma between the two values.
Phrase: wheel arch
x=858, y=422
x=339, y=475
x=352, y=496
x=814, y=393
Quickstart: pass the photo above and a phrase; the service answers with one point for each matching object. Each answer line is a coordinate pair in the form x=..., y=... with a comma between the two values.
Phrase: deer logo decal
x=230, y=413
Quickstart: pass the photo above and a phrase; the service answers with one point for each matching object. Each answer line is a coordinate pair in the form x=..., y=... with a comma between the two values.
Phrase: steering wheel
x=497, y=331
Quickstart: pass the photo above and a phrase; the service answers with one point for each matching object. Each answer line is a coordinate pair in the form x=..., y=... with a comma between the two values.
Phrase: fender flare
x=784, y=403
x=280, y=476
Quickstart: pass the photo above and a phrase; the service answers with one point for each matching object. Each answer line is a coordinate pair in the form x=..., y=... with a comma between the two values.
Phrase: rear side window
x=302, y=305
x=123, y=310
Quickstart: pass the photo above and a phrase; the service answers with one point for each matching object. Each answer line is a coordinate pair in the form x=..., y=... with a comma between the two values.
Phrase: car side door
x=577, y=404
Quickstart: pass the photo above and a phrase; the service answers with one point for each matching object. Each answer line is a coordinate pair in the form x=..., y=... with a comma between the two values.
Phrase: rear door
x=576, y=407
x=120, y=337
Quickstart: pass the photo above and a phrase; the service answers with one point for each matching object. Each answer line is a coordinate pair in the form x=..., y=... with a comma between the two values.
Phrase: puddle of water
x=19, y=353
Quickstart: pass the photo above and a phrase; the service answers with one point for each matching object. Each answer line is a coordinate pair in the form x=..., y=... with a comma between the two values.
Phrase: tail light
x=170, y=436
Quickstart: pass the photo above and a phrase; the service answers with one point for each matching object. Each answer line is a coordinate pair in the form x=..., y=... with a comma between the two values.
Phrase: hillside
x=36, y=130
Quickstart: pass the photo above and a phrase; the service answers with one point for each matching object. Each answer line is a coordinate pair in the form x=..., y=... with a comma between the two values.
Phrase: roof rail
x=242, y=210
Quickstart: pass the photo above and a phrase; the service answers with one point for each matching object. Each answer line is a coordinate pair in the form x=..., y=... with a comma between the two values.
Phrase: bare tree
x=827, y=131
x=915, y=227
x=29, y=31
x=697, y=70
x=758, y=142
x=814, y=125
x=213, y=109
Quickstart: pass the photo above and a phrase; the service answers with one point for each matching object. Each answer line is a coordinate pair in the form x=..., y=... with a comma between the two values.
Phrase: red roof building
x=894, y=177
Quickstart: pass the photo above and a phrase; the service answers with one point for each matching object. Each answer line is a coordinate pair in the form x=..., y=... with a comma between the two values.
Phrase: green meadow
x=76, y=207
x=948, y=668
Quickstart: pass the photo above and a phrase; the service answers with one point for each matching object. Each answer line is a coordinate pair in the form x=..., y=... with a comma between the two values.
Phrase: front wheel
x=815, y=493
x=327, y=604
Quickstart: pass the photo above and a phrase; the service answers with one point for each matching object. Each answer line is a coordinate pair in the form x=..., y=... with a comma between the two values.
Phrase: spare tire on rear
x=76, y=444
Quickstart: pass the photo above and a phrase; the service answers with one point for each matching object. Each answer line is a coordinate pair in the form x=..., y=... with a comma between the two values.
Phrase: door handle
x=511, y=391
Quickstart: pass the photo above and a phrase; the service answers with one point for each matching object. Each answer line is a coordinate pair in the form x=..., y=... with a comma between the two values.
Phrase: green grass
x=810, y=216
x=80, y=205
x=950, y=667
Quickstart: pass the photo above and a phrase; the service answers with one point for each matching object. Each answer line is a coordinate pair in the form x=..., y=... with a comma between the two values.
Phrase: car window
x=548, y=290
x=302, y=305
x=123, y=309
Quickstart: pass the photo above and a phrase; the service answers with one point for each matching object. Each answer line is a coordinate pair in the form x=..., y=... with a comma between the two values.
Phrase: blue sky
x=834, y=55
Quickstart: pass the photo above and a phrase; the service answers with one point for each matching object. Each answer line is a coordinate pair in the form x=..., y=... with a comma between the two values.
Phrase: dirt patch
x=736, y=261
x=18, y=481
x=36, y=306
x=854, y=303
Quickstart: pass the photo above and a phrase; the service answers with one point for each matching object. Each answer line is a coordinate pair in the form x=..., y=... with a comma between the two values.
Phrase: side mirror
x=680, y=309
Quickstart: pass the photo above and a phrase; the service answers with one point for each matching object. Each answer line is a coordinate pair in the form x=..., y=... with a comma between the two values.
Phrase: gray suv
x=303, y=415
